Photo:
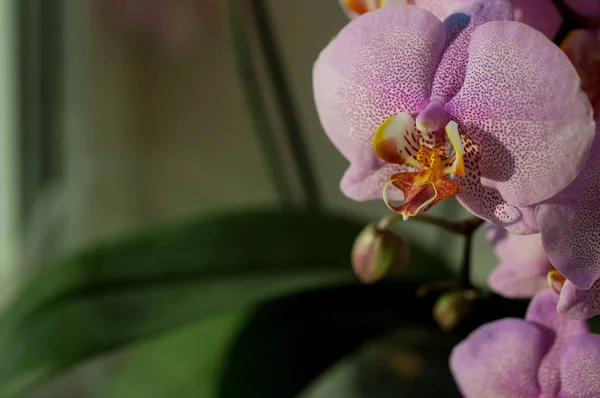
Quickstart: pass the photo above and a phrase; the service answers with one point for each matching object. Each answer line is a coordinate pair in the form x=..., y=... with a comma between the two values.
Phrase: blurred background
x=119, y=116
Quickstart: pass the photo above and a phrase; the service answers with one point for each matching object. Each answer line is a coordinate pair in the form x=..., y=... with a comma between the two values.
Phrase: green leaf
x=124, y=291
x=374, y=308
x=184, y=363
x=290, y=341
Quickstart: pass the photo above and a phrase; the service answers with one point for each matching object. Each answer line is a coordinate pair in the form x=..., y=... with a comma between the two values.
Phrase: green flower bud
x=452, y=307
x=378, y=252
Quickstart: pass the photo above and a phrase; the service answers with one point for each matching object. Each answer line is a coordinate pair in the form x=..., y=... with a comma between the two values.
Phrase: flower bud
x=378, y=252
x=452, y=307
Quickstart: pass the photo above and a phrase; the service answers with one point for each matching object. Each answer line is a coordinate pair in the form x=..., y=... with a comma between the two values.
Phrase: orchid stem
x=466, y=228
x=285, y=103
x=254, y=100
x=465, y=269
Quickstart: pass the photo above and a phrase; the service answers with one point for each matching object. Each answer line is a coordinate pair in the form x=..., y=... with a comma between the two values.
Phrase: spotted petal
x=379, y=65
x=578, y=303
x=532, y=122
x=579, y=366
x=486, y=202
x=569, y=225
x=460, y=27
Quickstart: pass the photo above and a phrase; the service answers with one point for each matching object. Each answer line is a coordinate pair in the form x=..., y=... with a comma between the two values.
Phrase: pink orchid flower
x=568, y=242
x=544, y=355
x=524, y=270
x=569, y=224
x=477, y=107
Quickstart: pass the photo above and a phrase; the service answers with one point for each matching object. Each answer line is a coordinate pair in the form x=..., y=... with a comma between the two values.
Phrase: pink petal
x=523, y=263
x=459, y=27
x=500, y=359
x=569, y=225
x=489, y=205
x=363, y=184
x=570, y=237
x=579, y=364
x=486, y=202
x=531, y=121
x=539, y=14
x=575, y=303
x=379, y=65
x=542, y=311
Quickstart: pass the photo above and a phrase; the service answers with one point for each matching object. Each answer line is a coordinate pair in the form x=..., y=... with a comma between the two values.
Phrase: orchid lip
x=397, y=141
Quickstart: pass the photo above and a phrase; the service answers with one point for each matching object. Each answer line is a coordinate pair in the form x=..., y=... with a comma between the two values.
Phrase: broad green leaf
x=286, y=344
x=336, y=319
x=184, y=363
x=124, y=291
x=289, y=342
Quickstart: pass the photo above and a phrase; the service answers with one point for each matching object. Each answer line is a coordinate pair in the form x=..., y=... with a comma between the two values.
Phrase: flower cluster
x=433, y=99
x=544, y=355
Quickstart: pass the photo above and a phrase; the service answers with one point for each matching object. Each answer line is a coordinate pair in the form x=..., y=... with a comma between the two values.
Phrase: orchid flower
x=544, y=355
x=477, y=107
x=569, y=225
x=525, y=270
x=566, y=252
